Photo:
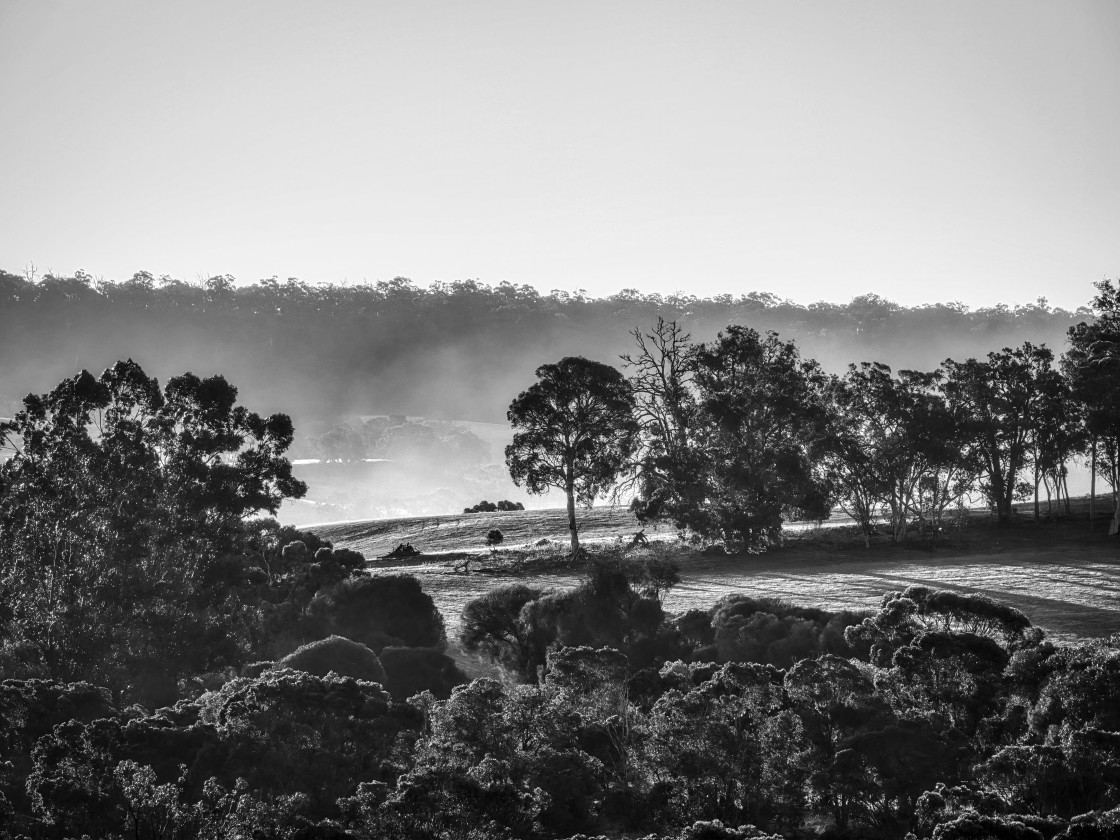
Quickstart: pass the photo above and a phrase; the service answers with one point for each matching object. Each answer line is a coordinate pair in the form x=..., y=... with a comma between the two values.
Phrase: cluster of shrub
x=490, y=507
x=324, y=613
x=940, y=715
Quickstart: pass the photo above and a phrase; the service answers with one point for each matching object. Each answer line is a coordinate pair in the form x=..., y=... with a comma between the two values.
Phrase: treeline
x=455, y=350
x=728, y=439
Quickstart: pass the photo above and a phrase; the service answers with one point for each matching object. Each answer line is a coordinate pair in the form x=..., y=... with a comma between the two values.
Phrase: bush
x=771, y=631
x=491, y=625
x=489, y=507
x=412, y=670
x=381, y=611
x=344, y=657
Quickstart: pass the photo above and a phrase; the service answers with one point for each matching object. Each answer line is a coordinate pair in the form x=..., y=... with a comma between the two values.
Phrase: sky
x=959, y=150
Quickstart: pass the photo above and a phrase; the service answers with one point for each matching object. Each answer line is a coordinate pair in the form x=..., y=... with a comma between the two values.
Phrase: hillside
x=456, y=534
x=1061, y=574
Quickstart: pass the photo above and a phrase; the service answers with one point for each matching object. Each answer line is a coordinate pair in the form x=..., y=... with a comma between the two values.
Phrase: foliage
x=764, y=429
x=1091, y=365
x=574, y=430
x=412, y=670
x=1003, y=398
x=773, y=632
x=669, y=478
x=517, y=625
x=734, y=433
x=926, y=741
x=125, y=517
x=490, y=507
x=336, y=655
x=491, y=624
x=318, y=348
x=380, y=610
x=124, y=551
x=901, y=449
x=289, y=731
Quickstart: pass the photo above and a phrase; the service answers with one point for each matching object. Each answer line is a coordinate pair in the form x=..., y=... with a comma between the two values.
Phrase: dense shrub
x=775, y=632
x=338, y=655
x=379, y=611
x=517, y=625
x=409, y=671
x=491, y=625
x=490, y=507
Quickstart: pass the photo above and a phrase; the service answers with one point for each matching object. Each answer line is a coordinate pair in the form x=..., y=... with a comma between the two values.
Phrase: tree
x=764, y=428
x=123, y=543
x=665, y=401
x=1003, y=399
x=837, y=701
x=411, y=670
x=900, y=448
x=491, y=624
x=1059, y=434
x=734, y=434
x=574, y=430
x=380, y=611
x=1092, y=364
x=290, y=731
x=338, y=655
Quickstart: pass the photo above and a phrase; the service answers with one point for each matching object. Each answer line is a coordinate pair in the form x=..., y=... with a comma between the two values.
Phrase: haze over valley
x=450, y=356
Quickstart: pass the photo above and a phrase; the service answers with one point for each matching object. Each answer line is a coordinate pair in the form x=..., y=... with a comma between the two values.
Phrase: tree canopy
x=574, y=430
x=122, y=512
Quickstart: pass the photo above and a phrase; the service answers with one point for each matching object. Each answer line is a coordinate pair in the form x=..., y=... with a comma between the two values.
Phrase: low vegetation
x=490, y=507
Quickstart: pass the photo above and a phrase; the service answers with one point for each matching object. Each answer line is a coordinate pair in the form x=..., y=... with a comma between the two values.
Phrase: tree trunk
x=1114, y=526
x=1093, y=483
x=1036, y=480
x=570, y=491
x=1001, y=506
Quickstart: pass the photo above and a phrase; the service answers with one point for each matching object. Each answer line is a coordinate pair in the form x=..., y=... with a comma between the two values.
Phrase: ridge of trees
x=322, y=350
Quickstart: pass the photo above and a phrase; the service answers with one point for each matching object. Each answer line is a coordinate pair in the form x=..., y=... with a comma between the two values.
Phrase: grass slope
x=1064, y=576
x=458, y=533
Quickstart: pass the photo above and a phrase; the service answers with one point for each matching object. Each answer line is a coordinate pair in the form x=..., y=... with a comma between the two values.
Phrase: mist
x=448, y=357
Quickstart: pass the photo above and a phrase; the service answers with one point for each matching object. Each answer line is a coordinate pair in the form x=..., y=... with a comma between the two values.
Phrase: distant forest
x=453, y=350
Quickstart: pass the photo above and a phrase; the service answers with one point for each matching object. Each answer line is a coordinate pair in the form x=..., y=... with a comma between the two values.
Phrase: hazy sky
x=952, y=150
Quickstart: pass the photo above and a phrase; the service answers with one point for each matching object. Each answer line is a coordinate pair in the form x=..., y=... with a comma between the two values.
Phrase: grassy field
x=1062, y=575
x=459, y=533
